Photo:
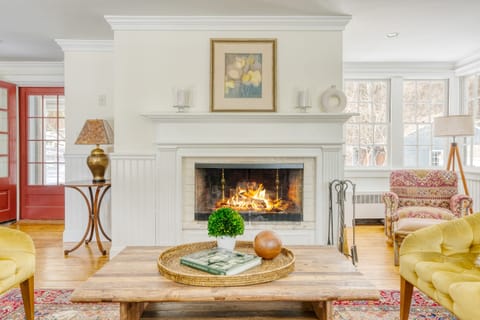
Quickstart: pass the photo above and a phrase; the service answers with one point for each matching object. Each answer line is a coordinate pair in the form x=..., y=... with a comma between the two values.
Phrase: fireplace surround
x=182, y=140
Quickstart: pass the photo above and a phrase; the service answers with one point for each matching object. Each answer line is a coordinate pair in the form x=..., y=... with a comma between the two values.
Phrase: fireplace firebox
x=260, y=192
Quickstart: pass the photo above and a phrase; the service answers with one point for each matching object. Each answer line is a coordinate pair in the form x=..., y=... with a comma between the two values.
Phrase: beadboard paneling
x=133, y=199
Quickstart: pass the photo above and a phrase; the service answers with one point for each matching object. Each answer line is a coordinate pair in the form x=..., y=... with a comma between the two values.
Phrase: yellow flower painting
x=243, y=75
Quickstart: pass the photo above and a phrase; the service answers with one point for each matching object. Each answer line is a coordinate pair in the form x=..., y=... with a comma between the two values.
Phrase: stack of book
x=220, y=261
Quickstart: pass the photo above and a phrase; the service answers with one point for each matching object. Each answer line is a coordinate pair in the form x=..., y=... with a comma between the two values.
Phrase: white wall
x=150, y=64
x=88, y=78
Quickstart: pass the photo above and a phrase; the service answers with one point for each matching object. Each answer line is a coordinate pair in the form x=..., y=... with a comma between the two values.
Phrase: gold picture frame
x=243, y=75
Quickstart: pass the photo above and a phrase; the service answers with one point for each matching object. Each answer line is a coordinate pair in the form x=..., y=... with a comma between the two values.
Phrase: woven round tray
x=170, y=267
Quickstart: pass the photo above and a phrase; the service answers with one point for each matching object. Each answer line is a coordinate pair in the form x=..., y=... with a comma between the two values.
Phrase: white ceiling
x=430, y=30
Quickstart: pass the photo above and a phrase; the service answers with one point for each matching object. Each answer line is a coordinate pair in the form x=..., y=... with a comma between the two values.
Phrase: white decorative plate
x=333, y=100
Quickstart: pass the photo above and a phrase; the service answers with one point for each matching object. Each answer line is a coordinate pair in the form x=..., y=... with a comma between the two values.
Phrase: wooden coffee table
x=321, y=276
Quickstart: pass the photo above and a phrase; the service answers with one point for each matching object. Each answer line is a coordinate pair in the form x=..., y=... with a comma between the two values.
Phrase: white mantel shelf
x=264, y=117
x=259, y=129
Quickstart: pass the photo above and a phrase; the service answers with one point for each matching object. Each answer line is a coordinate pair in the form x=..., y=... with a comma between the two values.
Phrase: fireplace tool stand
x=340, y=187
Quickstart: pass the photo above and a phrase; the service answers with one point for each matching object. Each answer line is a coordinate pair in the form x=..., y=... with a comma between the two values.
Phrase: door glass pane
x=3, y=144
x=61, y=151
x=61, y=106
x=34, y=174
x=50, y=151
x=3, y=121
x=3, y=98
x=61, y=129
x=35, y=151
x=50, y=125
x=61, y=173
x=50, y=109
x=34, y=106
x=50, y=174
x=3, y=166
x=35, y=129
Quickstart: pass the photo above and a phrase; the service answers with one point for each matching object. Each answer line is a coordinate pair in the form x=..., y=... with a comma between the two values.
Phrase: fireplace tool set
x=340, y=187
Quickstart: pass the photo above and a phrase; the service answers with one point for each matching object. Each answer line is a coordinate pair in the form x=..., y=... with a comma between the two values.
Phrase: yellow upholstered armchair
x=17, y=265
x=440, y=261
x=421, y=198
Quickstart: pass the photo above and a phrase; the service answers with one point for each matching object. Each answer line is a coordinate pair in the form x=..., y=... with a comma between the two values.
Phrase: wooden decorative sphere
x=267, y=244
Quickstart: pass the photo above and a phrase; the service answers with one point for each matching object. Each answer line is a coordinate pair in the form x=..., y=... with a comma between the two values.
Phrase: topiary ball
x=267, y=244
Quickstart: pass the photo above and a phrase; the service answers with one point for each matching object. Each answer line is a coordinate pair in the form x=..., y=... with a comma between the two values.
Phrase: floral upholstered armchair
x=420, y=198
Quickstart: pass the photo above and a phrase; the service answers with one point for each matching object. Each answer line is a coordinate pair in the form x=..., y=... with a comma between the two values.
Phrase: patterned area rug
x=56, y=305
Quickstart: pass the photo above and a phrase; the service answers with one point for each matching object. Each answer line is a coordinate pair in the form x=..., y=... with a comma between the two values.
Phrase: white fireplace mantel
x=162, y=185
x=249, y=128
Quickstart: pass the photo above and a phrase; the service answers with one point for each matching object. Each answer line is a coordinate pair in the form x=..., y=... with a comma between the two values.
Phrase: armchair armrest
x=460, y=204
x=390, y=199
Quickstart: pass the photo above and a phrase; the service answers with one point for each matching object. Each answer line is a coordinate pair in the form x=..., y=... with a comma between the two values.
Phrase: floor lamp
x=454, y=126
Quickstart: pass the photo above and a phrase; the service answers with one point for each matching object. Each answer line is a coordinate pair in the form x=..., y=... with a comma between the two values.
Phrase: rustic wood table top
x=132, y=278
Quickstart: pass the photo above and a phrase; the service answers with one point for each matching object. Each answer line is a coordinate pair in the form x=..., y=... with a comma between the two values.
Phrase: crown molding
x=468, y=65
x=223, y=23
x=85, y=45
x=389, y=69
x=33, y=73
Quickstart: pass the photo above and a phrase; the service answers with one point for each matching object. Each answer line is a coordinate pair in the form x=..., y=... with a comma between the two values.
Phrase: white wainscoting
x=133, y=200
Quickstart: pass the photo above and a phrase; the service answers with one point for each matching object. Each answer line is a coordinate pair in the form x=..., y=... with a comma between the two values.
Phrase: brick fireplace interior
x=260, y=192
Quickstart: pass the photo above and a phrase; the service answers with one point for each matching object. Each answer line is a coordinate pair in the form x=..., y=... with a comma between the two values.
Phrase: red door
x=8, y=141
x=42, y=148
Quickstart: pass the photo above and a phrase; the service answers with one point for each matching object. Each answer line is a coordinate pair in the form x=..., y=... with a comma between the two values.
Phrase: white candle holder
x=303, y=101
x=182, y=100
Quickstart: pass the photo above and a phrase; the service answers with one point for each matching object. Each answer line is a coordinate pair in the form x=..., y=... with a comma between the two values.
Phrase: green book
x=221, y=261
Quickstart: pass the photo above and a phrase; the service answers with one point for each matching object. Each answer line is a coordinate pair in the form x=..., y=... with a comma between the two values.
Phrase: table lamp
x=454, y=126
x=97, y=132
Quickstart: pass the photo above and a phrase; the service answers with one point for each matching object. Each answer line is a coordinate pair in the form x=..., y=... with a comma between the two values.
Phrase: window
x=367, y=134
x=46, y=139
x=471, y=95
x=423, y=100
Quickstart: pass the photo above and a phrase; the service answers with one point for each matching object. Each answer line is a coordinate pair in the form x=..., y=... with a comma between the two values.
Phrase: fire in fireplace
x=260, y=192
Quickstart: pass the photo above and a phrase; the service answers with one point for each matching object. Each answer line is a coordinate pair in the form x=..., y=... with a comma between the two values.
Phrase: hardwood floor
x=54, y=270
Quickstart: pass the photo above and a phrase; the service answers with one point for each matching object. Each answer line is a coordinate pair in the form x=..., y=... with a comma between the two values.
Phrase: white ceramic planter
x=226, y=242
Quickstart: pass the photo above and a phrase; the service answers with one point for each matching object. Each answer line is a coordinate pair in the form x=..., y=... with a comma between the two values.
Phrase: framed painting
x=242, y=75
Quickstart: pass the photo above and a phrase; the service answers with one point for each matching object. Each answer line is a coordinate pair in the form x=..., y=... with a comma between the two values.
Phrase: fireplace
x=164, y=187
x=260, y=191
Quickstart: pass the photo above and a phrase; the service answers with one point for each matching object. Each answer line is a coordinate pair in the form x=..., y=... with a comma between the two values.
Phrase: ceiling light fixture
x=391, y=35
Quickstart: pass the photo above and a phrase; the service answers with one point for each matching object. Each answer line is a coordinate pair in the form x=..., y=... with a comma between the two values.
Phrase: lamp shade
x=453, y=126
x=95, y=131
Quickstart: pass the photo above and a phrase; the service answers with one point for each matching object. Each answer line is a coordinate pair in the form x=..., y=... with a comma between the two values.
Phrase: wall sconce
x=96, y=132
x=303, y=100
x=182, y=99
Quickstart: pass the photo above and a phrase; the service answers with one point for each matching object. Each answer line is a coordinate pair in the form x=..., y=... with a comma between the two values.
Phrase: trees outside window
x=367, y=135
x=423, y=100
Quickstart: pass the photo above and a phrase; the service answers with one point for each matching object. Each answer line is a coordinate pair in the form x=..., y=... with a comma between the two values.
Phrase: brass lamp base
x=97, y=162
